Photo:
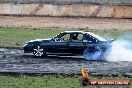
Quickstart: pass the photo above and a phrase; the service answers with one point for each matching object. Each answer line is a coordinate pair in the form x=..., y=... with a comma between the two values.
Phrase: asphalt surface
x=15, y=61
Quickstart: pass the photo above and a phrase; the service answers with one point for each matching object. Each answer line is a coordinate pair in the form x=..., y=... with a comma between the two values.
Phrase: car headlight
x=25, y=44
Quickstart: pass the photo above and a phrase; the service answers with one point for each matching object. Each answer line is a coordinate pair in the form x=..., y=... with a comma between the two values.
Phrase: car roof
x=90, y=33
x=82, y=32
x=73, y=32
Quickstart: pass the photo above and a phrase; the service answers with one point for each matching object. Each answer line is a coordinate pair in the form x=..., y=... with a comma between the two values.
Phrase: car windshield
x=96, y=36
x=57, y=36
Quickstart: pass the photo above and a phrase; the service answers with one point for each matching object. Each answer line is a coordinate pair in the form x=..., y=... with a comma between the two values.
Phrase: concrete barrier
x=67, y=2
x=81, y=10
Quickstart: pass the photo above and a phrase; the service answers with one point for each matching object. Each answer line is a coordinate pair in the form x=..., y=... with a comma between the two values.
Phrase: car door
x=59, y=44
x=77, y=46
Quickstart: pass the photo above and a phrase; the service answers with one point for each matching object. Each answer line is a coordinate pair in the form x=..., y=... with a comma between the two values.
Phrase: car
x=87, y=44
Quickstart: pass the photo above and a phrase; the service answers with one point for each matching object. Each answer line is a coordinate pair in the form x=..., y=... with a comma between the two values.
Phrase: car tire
x=92, y=53
x=39, y=51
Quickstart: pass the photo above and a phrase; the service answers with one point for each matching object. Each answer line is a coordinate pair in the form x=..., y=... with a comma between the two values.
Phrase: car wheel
x=92, y=53
x=38, y=51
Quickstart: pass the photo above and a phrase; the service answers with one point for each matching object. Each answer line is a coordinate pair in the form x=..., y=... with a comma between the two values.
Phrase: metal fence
x=102, y=2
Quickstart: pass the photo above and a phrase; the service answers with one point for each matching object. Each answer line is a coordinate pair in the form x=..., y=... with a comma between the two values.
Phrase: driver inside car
x=74, y=37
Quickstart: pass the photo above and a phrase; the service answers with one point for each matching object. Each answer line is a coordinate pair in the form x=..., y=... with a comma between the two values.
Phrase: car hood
x=40, y=40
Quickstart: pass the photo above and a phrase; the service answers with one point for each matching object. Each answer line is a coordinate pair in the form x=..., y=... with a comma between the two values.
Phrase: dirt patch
x=65, y=23
x=14, y=60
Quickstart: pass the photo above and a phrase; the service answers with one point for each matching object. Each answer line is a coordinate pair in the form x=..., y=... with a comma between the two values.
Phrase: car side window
x=65, y=37
x=76, y=37
x=80, y=37
x=91, y=39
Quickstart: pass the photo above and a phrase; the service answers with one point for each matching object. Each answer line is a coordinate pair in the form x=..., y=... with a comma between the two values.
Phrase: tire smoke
x=88, y=56
x=121, y=50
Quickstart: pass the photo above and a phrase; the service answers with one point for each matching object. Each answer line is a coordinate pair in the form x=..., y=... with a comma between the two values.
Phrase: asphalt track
x=15, y=61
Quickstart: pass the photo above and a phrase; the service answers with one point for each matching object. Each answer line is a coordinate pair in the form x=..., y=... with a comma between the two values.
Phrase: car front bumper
x=27, y=48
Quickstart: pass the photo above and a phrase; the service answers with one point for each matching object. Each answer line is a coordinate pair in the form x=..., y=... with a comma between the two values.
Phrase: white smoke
x=121, y=50
x=88, y=56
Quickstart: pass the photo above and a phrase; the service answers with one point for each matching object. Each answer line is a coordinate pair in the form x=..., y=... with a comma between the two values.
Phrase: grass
x=49, y=81
x=38, y=82
x=15, y=37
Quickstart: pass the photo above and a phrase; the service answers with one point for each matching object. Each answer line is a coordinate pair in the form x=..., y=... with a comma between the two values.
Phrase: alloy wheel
x=38, y=51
